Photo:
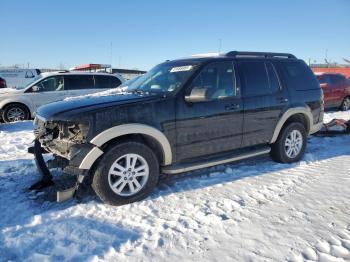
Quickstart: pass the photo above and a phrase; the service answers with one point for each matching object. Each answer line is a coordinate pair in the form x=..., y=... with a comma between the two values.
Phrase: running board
x=213, y=162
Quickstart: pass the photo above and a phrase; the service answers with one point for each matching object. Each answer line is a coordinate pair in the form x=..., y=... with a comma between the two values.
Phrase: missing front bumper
x=64, y=191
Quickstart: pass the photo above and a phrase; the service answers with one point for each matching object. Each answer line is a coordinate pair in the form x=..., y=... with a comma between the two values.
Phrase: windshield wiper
x=137, y=91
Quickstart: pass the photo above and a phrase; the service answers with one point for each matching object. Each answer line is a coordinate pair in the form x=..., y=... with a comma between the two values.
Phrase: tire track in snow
x=227, y=210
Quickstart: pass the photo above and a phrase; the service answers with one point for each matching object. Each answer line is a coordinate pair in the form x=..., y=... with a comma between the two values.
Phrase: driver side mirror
x=197, y=95
x=35, y=88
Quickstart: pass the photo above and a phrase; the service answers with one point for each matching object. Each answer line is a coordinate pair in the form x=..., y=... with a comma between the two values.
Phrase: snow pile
x=255, y=210
x=15, y=138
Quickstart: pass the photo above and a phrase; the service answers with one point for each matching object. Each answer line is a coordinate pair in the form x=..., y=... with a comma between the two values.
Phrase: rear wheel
x=290, y=144
x=127, y=172
x=15, y=112
x=345, y=105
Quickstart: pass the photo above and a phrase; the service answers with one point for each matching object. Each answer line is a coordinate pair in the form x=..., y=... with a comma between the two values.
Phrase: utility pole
x=111, y=55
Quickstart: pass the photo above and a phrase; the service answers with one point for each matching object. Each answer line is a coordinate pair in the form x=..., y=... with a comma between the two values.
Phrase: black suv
x=180, y=116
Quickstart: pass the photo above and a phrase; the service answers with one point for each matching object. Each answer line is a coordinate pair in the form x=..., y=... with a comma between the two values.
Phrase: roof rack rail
x=261, y=54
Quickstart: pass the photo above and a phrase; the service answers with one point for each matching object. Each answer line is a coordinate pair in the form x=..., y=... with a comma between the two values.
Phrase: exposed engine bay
x=59, y=137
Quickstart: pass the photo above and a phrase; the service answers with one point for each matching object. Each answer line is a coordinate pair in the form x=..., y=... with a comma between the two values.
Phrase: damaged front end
x=67, y=141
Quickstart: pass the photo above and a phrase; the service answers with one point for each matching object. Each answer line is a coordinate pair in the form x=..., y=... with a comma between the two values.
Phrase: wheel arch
x=151, y=136
x=6, y=101
x=302, y=115
x=27, y=107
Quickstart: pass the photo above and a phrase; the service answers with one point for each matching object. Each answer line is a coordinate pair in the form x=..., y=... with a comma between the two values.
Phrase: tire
x=15, y=112
x=281, y=152
x=345, y=105
x=113, y=182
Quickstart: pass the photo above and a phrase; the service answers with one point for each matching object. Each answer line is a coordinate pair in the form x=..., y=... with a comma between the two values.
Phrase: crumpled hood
x=79, y=107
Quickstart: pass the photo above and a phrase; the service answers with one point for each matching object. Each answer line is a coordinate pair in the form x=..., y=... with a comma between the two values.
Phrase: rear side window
x=74, y=82
x=273, y=78
x=324, y=79
x=336, y=79
x=299, y=76
x=254, y=78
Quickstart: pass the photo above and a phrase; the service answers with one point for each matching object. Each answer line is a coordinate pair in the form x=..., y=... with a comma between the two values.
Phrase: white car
x=17, y=105
x=17, y=77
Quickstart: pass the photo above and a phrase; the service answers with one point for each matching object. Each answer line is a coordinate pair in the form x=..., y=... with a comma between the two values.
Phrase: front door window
x=54, y=83
x=218, y=80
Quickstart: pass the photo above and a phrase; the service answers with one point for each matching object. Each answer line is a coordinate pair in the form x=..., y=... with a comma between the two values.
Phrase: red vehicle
x=336, y=90
x=2, y=83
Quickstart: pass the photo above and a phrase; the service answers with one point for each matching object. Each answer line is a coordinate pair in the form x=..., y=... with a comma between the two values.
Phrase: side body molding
x=292, y=111
x=126, y=129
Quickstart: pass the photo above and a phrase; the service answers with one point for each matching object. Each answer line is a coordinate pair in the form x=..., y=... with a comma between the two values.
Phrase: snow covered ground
x=255, y=210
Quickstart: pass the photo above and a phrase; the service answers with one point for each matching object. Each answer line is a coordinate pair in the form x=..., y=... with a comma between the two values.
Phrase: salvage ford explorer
x=182, y=115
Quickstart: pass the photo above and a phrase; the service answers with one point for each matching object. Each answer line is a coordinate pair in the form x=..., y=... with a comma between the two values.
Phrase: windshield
x=130, y=81
x=163, y=78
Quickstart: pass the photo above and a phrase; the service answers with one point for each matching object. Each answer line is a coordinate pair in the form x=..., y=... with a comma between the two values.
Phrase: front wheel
x=290, y=145
x=15, y=112
x=127, y=172
x=345, y=105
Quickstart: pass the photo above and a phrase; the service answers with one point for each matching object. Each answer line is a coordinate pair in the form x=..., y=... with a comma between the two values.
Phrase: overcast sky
x=140, y=34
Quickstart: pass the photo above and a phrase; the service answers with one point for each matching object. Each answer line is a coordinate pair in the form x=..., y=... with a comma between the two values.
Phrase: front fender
x=126, y=129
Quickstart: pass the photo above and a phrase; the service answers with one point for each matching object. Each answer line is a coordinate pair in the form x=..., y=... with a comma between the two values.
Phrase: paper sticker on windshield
x=181, y=68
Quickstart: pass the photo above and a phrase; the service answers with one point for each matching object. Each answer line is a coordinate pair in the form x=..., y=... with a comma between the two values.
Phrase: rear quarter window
x=106, y=82
x=115, y=82
x=102, y=82
x=299, y=76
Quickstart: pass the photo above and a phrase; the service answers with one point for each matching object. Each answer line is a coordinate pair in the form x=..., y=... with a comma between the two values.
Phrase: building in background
x=126, y=73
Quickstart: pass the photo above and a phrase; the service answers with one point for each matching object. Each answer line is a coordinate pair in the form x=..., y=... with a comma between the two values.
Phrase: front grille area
x=59, y=137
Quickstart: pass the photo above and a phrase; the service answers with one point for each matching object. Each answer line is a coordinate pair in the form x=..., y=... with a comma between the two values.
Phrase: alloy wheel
x=346, y=104
x=293, y=143
x=128, y=175
x=15, y=114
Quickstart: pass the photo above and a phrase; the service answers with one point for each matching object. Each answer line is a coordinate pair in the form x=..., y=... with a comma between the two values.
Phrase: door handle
x=283, y=100
x=232, y=107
